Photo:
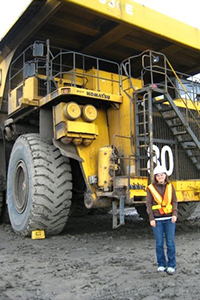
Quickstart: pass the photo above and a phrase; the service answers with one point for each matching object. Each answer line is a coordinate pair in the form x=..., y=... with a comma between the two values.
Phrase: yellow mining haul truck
x=87, y=111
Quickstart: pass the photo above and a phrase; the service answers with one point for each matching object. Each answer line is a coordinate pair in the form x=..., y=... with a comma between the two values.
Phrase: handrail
x=74, y=56
x=57, y=62
x=155, y=64
x=175, y=74
x=166, y=71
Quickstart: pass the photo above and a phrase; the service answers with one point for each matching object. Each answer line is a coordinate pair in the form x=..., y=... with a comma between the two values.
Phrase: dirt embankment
x=90, y=261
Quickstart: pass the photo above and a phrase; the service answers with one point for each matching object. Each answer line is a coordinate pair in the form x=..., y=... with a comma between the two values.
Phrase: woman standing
x=162, y=210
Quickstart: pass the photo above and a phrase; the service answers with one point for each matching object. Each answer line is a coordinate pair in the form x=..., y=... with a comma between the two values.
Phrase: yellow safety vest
x=164, y=203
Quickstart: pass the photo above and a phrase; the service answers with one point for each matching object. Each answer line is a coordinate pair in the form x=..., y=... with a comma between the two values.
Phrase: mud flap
x=118, y=213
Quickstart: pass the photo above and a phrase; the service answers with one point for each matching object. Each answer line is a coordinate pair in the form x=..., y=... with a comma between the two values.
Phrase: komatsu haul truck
x=93, y=95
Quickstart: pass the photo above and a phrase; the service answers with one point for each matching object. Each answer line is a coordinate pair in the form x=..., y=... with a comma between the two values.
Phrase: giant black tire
x=141, y=210
x=39, y=187
x=1, y=203
x=185, y=210
x=78, y=209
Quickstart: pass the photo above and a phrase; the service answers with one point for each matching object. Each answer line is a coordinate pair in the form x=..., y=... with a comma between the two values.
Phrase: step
x=155, y=91
x=171, y=117
x=187, y=141
x=160, y=101
x=195, y=162
x=180, y=133
x=142, y=112
x=143, y=146
x=194, y=155
x=141, y=123
x=190, y=148
x=166, y=109
x=143, y=134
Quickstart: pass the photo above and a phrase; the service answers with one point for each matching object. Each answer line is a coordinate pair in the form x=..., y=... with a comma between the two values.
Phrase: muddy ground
x=90, y=261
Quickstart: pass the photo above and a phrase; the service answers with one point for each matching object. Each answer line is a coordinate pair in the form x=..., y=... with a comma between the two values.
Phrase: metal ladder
x=143, y=100
x=142, y=130
x=181, y=123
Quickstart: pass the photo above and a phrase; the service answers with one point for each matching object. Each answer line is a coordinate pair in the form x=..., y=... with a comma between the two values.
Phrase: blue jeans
x=165, y=228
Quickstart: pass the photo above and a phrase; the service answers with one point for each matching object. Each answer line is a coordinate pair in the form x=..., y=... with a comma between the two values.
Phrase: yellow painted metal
x=145, y=18
x=76, y=76
x=187, y=190
x=138, y=186
x=186, y=103
x=121, y=123
x=72, y=129
x=89, y=113
x=112, y=122
x=72, y=111
x=23, y=95
x=4, y=66
x=26, y=93
x=104, y=163
x=30, y=89
x=83, y=93
x=90, y=154
x=38, y=234
x=103, y=81
x=81, y=127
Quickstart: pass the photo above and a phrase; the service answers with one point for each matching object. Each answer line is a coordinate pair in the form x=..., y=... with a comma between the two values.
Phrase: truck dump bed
x=110, y=29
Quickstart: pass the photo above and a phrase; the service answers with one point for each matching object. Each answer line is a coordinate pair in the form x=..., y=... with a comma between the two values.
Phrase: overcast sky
x=185, y=11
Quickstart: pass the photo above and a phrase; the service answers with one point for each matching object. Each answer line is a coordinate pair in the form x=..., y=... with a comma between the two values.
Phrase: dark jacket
x=150, y=201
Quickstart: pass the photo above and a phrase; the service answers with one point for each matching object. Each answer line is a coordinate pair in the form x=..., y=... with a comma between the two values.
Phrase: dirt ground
x=90, y=261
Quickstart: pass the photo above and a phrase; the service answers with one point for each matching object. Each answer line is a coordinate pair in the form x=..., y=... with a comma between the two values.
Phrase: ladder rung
x=171, y=117
x=160, y=101
x=142, y=112
x=175, y=125
x=195, y=162
x=143, y=169
x=186, y=141
x=165, y=109
x=180, y=133
x=190, y=148
x=143, y=134
x=140, y=101
x=143, y=146
x=141, y=123
x=194, y=155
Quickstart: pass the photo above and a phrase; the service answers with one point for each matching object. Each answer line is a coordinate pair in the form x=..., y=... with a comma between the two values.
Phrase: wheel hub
x=21, y=187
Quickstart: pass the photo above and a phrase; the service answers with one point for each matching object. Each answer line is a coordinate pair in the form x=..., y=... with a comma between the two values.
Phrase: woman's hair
x=156, y=181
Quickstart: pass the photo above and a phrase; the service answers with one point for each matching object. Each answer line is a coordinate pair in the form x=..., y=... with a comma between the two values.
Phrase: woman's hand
x=153, y=223
x=174, y=219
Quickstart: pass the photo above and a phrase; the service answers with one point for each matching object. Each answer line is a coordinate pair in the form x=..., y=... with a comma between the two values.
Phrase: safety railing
x=79, y=69
x=157, y=71
x=54, y=66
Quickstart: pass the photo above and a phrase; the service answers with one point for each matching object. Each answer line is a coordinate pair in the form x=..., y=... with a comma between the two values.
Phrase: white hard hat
x=159, y=170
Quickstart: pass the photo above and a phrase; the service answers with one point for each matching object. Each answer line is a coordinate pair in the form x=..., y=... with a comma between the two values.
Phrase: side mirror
x=29, y=69
x=38, y=49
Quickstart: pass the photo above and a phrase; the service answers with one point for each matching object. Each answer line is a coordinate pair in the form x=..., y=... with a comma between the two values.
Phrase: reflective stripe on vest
x=164, y=204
